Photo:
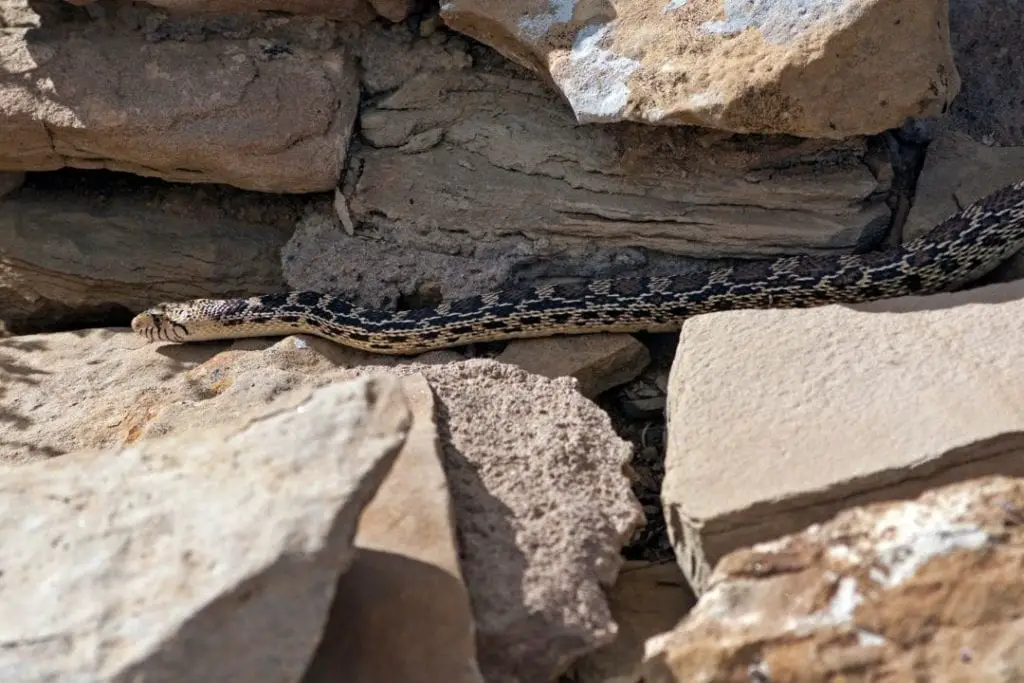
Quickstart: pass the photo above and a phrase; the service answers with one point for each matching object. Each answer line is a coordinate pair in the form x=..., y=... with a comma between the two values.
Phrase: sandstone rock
x=597, y=361
x=532, y=183
x=401, y=611
x=919, y=590
x=204, y=556
x=647, y=600
x=66, y=253
x=828, y=70
x=541, y=504
x=272, y=112
x=780, y=418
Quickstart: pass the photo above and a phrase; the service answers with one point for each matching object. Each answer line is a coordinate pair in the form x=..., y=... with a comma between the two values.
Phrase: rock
x=9, y=182
x=597, y=361
x=827, y=70
x=647, y=600
x=780, y=418
x=401, y=611
x=535, y=184
x=928, y=589
x=985, y=35
x=394, y=10
x=346, y=10
x=271, y=113
x=542, y=506
x=204, y=556
x=957, y=172
x=68, y=253
x=543, y=199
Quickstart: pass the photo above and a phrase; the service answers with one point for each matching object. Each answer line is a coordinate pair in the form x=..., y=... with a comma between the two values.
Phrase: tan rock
x=597, y=361
x=401, y=611
x=780, y=418
x=209, y=555
x=928, y=589
x=273, y=112
x=535, y=184
x=542, y=505
x=827, y=70
x=647, y=600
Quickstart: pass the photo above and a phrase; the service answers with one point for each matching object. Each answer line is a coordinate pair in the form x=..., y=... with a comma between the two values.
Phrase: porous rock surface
x=813, y=69
x=541, y=503
x=780, y=418
x=206, y=555
x=925, y=589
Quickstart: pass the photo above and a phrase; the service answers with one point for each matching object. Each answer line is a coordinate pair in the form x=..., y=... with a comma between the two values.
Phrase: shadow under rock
x=493, y=567
x=14, y=373
x=395, y=618
x=983, y=292
x=999, y=455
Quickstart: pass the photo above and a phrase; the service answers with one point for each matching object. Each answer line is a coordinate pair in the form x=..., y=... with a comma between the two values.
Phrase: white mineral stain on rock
x=536, y=25
x=911, y=535
x=779, y=21
x=595, y=84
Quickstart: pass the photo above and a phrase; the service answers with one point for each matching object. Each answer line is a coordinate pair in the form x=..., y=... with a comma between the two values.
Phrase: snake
x=966, y=246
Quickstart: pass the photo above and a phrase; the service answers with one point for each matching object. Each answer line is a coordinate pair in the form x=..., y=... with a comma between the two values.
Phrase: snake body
x=965, y=246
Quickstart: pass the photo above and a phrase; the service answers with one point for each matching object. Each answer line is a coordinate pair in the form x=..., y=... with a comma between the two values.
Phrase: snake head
x=159, y=323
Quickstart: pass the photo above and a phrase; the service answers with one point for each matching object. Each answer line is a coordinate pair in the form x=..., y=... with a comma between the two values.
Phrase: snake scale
x=965, y=246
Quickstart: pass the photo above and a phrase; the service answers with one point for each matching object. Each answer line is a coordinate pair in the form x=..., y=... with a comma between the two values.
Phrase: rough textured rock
x=986, y=45
x=106, y=242
x=597, y=361
x=918, y=590
x=542, y=505
x=259, y=105
x=647, y=600
x=204, y=556
x=401, y=611
x=779, y=418
x=823, y=70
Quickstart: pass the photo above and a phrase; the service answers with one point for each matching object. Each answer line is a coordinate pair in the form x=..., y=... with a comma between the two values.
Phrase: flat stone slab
x=780, y=418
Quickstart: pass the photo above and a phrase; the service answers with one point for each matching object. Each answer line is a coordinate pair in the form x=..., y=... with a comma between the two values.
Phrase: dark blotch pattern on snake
x=961, y=249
